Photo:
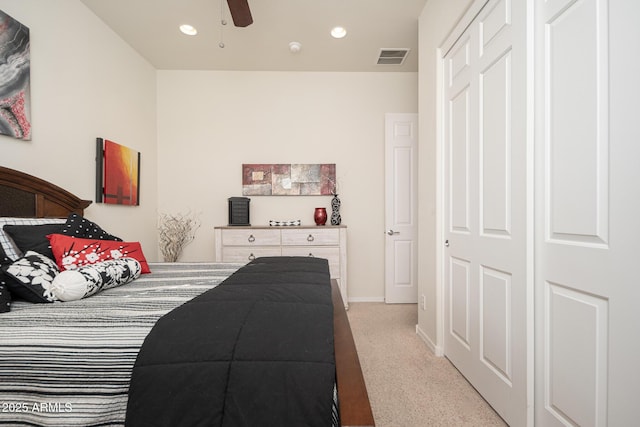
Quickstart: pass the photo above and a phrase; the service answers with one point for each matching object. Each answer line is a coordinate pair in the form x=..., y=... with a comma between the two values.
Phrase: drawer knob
x=251, y=238
x=311, y=255
x=252, y=257
x=310, y=238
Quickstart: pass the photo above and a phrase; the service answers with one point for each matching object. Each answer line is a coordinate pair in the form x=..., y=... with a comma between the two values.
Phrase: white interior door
x=587, y=227
x=487, y=282
x=401, y=208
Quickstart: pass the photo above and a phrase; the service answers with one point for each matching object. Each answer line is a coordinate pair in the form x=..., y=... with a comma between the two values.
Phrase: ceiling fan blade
x=240, y=12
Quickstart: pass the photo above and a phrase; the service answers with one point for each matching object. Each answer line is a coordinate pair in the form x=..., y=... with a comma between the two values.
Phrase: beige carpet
x=409, y=386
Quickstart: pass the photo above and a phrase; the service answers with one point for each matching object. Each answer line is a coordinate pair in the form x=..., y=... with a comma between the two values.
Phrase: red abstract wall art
x=118, y=174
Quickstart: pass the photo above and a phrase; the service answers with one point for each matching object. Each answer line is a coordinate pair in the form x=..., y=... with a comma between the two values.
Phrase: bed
x=70, y=363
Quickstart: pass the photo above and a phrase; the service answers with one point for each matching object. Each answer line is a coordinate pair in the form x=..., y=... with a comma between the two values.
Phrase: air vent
x=392, y=56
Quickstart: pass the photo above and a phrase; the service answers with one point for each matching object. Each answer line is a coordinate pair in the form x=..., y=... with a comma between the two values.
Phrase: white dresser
x=243, y=244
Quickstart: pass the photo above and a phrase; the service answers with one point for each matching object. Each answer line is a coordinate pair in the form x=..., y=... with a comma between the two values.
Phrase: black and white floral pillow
x=88, y=280
x=30, y=277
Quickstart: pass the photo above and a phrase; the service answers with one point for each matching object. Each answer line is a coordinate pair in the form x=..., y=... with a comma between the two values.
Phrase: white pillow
x=71, y=285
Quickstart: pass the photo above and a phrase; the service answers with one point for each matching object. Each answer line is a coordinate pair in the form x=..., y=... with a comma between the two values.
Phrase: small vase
x=320, y=216
x=335, y=210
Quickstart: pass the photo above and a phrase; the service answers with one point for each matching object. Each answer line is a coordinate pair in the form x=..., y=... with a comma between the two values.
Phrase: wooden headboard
x=24, y=195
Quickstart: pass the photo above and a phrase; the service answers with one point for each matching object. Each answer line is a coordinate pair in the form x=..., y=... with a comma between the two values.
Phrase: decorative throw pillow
x=78, y=226
x=71, y=253
x=5, y=295
x=33, y=237
x=11, y=250
x=31, y=277
x=85, y=281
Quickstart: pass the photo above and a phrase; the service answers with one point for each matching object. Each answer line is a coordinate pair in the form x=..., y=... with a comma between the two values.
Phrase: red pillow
x=71, y=252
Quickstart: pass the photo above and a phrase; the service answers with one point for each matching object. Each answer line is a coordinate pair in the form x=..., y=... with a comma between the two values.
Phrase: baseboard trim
x=436, y=350
x=366, y=299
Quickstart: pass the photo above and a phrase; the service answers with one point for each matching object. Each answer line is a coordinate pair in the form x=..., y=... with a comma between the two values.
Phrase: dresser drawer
x=330, y=254
x=311, y=237
x=250, y=237
x=246, y=254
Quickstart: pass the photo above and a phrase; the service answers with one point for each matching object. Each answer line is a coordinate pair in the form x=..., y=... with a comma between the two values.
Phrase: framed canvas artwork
x=288, y=179
x=117, y=173
x=15, y=86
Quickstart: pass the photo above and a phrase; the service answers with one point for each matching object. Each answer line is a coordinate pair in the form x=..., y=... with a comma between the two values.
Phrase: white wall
x=436, y=21
x=210, y=123
x=85, y=83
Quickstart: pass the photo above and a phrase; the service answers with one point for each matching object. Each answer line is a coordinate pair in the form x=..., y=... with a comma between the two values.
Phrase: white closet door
x=587, y=237
x=487, y=317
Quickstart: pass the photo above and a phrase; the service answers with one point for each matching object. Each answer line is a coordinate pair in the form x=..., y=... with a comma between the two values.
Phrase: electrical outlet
x=424, y=302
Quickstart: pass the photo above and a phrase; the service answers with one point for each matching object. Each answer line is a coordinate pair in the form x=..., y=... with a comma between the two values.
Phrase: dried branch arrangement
x=176, y=231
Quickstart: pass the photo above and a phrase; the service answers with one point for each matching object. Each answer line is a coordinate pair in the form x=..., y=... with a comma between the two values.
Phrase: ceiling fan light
x=188, y=30
x=338, y=32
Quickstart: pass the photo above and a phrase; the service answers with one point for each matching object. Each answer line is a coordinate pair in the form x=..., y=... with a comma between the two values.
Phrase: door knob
x=446, y=243
x=391, y=232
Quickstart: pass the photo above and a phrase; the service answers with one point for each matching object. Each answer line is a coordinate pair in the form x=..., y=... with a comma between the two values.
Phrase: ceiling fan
x=240, y=12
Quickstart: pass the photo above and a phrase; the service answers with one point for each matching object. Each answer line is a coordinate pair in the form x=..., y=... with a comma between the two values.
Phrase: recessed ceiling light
x=295, y=47
x=338, y=32
x=188, y=30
